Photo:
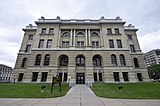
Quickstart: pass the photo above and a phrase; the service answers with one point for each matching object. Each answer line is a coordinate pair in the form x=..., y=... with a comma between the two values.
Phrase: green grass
x=30, y=90
x=149, y=90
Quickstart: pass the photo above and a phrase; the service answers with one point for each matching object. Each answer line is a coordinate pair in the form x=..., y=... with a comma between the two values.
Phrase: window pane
x=28, y=48
x=111, y=43
x=109, y=31
x=132, y=48
x=116, y=31
x=129, y=37
x=20, y=77
x=65, y=76
x=95, y=76
x=119, y=43
x=116, y=76
x=34, y=76
x=30, y=37
x=49, y=43
x=125, y=76
x=100, y=76
x=51, y=30
x=41, y=43
x=44, y=76
x=43, y=30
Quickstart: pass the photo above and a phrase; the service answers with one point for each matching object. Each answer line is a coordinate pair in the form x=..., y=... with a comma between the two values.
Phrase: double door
x=80, y=78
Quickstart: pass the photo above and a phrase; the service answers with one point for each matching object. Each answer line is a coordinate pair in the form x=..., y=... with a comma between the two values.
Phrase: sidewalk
x=79, y=95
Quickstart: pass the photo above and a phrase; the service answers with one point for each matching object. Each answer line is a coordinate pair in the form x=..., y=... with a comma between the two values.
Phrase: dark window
x=109, y=31
x=100, y=76
x=44, y=76
x=125, y=76
x=41, y=43
x=95, y=76
x=80, y=61
x=38, y=60
x=132, y=48
x=34, y=76
x=136, y=63
x=30, y=37
x=95, y=44
x=24, y=63
x=116, y=31
x=51, y=30
x=122, y=60
x=60, y=75
x=116, y=76
x=113, y=60
x=20, y=77
x=129, y=37
x=111, y=43
x=65, y=76
x=139, y=75
x=80, y=43
x=49, y=43
x=47, y=59
x=28, y=48
x=96, y=61
x=43, y=30
x=65, y=44
x=63, y=60
x=119, y=43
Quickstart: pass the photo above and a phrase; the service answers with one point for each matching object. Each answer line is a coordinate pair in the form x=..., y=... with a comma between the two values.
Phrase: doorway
x=80, y=78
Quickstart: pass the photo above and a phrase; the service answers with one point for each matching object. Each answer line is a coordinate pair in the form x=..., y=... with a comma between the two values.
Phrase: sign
x=56, y=81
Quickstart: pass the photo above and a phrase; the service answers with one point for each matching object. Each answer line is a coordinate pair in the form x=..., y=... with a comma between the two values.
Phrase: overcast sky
x=16, y=14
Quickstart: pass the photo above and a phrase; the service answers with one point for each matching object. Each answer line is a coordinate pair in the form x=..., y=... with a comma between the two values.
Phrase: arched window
x=38, y=60
x=97, y=60
x=94, y=34
x=113, y=60
x=46, y=59
x=80, y=60
x=66, y=34
x=122, y=60
x=80, y=34
x=136, y=63
x=24, y=63
x=63, y=60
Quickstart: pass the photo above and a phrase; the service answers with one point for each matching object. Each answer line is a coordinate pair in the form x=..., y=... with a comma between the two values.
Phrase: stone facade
x=80, y=51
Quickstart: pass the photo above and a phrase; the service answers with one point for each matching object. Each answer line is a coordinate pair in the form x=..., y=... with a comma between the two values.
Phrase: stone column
x=86, y=37
x=71, y=38
x=89, y=37
x=101, y=37
x=74, y=34
x=59, y=38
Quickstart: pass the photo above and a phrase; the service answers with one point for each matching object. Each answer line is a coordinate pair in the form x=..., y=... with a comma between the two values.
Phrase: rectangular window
x=109, y=31
x=51, y=30
x=129, y=37
x=95, y=76
x=34, y=76
x=44, y=76
x=43, y=31
x=116, y=76
x=49, y=43
x=95, y=44
x=100, y=76
x=20, y=77
x=65, y=76
x=80, y=43
x=41, y=43
x=28, y=48
x=30, y=37
x=65, y=44
x=125, y=76
x=132, y=48
x=111, y=43
x=116, y=31
x=119, y=43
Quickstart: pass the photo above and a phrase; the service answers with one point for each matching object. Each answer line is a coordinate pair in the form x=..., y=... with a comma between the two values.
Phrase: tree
x=154, y=71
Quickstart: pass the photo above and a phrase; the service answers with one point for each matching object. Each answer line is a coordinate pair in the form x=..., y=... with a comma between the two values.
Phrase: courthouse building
x=80, y=51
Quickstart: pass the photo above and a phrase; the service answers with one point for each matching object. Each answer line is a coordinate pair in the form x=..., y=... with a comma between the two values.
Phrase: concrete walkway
x=79, y=95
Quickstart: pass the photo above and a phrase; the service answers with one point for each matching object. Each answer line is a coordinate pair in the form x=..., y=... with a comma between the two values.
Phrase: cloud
x=150, y=41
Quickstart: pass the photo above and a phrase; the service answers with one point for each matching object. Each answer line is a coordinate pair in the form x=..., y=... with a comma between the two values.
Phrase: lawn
x=149, y=90
x=30, y=90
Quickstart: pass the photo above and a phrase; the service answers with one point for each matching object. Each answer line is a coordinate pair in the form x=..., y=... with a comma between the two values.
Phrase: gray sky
x=16, y=14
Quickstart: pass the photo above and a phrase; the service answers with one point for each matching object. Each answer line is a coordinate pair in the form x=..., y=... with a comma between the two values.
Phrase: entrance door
x=80, y=78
